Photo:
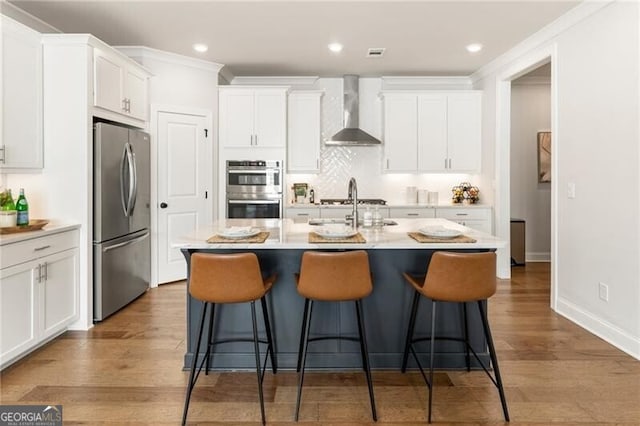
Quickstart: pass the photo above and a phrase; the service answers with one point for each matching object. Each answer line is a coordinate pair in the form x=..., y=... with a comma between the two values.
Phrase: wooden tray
x=33, y=225
x=424, y=239
x=258, y=238
x=315, y=238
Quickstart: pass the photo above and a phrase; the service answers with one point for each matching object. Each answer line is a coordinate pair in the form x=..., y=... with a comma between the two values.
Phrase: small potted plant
x=8, y=214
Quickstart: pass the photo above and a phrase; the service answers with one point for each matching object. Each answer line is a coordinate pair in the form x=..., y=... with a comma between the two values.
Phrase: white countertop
x=52, y=227
x=417, y=206
x=287, y=234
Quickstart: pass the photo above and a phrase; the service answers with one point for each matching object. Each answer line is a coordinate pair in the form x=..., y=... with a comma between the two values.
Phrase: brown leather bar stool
x=334, y=277
x=229, y=278
x=461, y=278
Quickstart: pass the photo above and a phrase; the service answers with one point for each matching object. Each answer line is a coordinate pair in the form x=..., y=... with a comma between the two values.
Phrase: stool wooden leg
x=210, y=342
x=192, y=383
x=494, y=359
x=433, y=342
x=257, y=352
x=304, y=344
x=465, y=327
x=267, y=326
x=412, y=323
x=365, y=357
x=304, y=324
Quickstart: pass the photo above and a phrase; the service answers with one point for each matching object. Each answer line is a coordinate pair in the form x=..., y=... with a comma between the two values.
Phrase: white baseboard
x=537, y=256
x=601, y=328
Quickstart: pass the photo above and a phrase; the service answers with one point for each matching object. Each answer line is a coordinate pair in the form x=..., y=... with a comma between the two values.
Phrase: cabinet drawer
x=16, y=253
x=464, y=213
x=411, y=212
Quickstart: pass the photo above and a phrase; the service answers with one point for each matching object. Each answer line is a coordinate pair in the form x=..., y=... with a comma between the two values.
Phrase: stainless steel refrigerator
x=121, y=217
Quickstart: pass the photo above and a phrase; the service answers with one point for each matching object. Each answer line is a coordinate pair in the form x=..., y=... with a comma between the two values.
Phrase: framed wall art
x=544, y=157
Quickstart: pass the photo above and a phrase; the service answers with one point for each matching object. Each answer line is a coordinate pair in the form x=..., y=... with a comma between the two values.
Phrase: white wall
x=598, y=232
x=339, y=163
x=530, y=199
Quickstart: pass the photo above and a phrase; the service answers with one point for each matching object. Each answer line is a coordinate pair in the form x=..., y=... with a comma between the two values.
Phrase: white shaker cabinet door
x=236, y=118
x=59, y=291
x=21, y=134
x=303, y=139
x=432, y=133
x=464, y=131
x=108, y=83
x=135, y=93
x=270, y=118
x=400, y=135
x=18, y=310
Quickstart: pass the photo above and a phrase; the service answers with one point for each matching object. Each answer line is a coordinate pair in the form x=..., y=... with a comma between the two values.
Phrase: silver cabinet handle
x=256, y=139
x=39, y=279
x=302, y=214
x=45, y=275
x=387, y=164
x=128, y=105
x=41, y=248
x=445, y=163
x=413, y=214
x=253, y=201
x=317, y=163
x=2, y=149
x=462, y=214
x=449, y=162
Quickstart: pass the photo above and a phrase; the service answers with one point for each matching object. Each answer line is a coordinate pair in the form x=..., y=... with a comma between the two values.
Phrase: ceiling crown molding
x=144, y=52
x=426, y=83
x=293, y=81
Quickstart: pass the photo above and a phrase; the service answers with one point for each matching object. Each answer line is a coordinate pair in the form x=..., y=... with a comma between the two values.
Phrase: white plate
x=335, y=231
x=439, y=232
x=237, y=232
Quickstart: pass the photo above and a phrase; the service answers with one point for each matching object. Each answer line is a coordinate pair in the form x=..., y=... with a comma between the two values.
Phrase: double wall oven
x=254, y=189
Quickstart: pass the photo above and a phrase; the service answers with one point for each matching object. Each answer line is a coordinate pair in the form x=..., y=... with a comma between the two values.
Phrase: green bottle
x=22, y=208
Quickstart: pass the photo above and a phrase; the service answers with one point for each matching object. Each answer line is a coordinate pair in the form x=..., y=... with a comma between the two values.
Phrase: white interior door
x=183, y=186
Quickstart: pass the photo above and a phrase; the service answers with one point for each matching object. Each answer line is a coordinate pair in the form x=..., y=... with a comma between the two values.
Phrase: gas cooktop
x=346, y=201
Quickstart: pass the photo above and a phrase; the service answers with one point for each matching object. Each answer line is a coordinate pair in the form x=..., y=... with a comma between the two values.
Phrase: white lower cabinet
x=411, y=212
x=39, y=296
x=477, y=218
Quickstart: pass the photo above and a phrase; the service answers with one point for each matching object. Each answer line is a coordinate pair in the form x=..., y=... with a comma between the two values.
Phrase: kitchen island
x=386, y=311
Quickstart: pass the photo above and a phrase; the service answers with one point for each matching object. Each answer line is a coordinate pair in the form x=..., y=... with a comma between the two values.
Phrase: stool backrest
x=226, y=278
x=460, y=277
x=335, y=276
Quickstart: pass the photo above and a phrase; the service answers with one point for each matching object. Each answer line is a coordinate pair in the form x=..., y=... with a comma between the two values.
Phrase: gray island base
x=386, y=310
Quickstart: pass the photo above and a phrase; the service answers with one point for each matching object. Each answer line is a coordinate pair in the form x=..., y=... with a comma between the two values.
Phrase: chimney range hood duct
x=351, y=135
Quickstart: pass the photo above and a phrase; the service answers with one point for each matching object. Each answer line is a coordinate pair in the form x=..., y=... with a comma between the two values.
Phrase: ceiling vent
x=375, y=52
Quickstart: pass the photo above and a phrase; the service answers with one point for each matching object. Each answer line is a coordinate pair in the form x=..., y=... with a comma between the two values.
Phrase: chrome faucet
x=352, y=195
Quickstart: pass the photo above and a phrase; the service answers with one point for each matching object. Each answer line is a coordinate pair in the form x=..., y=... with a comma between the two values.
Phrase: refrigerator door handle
x=133, y=179
x=125, y=158
x=125, y=243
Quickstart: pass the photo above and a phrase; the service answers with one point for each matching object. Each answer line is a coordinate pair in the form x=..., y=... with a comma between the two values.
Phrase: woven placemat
x=315, y=238
x=421, y=238
x=258, y=238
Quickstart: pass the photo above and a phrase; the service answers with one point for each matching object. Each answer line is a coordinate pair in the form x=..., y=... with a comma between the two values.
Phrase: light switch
x=571, y=190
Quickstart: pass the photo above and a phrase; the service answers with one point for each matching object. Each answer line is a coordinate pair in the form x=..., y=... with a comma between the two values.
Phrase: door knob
x=163, y=205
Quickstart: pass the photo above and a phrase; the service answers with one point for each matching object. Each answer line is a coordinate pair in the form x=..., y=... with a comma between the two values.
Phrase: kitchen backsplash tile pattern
x=339, y=163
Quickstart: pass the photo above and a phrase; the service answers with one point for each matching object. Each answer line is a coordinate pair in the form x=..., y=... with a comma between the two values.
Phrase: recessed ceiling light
x=335, y=47
x=474, y=47
x=200, y=47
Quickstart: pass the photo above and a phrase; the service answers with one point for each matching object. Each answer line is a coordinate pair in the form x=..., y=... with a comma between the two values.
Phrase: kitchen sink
x=327, y=221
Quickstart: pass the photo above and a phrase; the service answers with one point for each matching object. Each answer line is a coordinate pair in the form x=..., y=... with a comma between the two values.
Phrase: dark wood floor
x=128, y=370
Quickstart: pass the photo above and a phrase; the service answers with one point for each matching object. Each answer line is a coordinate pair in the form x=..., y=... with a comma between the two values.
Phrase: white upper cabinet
x=400, y=133
x=432, y=131
x=253, y=117
x=303, y=144
x=21, y=146
x=119, y=86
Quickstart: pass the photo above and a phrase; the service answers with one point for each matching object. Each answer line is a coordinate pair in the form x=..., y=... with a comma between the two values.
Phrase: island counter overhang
x=386, y=311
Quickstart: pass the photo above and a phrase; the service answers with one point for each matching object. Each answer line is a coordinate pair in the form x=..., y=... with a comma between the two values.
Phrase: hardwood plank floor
x=128, y=370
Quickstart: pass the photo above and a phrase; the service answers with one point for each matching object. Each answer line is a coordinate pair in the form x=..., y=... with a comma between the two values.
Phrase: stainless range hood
x=351, y=135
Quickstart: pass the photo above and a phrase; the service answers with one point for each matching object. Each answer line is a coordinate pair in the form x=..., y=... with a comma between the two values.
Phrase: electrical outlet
x=603, y=291
x=571, y=190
